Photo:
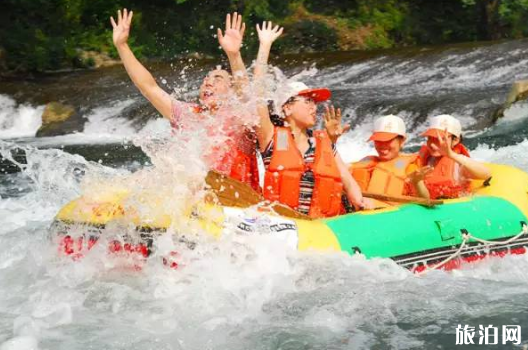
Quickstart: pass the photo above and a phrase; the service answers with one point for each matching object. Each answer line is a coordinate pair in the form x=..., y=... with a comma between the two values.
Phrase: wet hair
x=275, y=118
x=230, y=76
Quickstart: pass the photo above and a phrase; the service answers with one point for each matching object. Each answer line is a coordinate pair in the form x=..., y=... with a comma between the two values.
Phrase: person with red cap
x=452, y=166
x=391, y=172
x=303, y=169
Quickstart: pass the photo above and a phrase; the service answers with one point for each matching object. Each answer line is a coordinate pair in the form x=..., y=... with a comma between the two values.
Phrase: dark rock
x=7, y=166
x=518, y=92
x=59, y=119
x=94, y=59
x=56, y=112
x=116, y=155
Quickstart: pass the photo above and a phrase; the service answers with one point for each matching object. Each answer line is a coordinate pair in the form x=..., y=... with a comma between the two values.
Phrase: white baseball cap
x=297, y=88
x=441, y=123
x=388, y=127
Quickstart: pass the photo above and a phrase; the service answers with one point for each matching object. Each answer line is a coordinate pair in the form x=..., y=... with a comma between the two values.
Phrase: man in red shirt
x=235, y=156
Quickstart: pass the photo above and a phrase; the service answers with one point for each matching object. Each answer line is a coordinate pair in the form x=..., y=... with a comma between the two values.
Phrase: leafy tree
x=40, y=35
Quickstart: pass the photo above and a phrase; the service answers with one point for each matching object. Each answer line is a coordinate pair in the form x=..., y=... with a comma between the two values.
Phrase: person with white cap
x=452, y=166
x=391, y=172
x=303, y=169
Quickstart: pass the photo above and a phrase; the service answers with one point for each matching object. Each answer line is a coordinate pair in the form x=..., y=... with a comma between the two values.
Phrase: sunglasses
x=300, y=98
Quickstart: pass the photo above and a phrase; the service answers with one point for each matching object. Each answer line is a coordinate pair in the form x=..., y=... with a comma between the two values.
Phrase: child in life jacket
x=452, y=166
x=391, y=172
x=303, y=169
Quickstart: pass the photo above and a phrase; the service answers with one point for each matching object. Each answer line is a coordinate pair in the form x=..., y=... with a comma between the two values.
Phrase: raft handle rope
x=466, y=236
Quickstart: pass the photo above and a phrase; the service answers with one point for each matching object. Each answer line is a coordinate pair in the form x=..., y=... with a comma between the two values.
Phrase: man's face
x=215, y=87
x=388, y=150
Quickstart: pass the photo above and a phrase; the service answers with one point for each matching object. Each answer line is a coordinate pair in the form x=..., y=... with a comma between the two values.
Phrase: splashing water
x=18, y=121
x=241, y=292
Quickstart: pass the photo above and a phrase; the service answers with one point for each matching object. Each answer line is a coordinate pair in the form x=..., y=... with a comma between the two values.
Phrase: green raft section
x=414, y=228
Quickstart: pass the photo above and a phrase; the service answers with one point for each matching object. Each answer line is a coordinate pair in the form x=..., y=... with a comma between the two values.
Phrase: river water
x=256, y=294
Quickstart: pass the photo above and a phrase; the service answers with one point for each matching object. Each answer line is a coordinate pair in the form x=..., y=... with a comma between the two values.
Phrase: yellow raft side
x=316, y=235
x=82, y=210
x=113, y=207
x=508, y=183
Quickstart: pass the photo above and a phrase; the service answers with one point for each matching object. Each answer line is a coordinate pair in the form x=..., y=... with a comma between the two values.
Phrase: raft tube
x=493, y=221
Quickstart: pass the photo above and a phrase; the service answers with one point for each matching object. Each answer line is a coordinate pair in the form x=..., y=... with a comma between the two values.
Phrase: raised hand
x=268, y=34
x=122, y=28
x=444, y=144
x=419, y=174
x=231, y=40
x=332, y=119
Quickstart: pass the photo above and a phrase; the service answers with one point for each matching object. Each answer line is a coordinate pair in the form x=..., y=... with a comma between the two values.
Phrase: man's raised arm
x=139, y=75
x=231, y=42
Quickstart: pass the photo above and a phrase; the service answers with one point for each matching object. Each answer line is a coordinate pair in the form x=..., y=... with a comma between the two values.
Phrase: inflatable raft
x=491, y=222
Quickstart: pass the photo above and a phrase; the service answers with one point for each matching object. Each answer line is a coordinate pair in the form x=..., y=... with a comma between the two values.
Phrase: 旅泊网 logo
x=488, y=335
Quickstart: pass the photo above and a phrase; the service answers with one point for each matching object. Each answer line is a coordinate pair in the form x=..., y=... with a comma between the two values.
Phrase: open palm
x=333, y=126
x=268, y=33
x=420, y=174
x=444, y=144
x=231, y=40
x=122, y=27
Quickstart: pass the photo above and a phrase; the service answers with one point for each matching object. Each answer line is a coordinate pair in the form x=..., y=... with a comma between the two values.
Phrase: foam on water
x=253, y=294
x=104, y=125
x=105, y=121
x=512, y=155
x=241, y=292
x=515, y=114
x=480, y=68
x=18, y=120
x=238, y=293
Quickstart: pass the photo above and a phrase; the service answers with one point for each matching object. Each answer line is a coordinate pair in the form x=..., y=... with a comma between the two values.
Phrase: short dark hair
x=275, y=117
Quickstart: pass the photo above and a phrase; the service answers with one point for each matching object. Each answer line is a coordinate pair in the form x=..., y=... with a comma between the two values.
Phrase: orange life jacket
x=282, y=180
x=242, y=167
x=388, y=177
x=441, y=182
x=230, y=159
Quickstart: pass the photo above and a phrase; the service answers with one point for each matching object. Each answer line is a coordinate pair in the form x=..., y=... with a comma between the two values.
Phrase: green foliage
x=40, y=35
x=514, y=15
x=310, y=36
x=442, y=21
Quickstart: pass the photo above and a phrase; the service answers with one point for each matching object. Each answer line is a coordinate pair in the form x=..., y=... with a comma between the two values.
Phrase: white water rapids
x=233, y=294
